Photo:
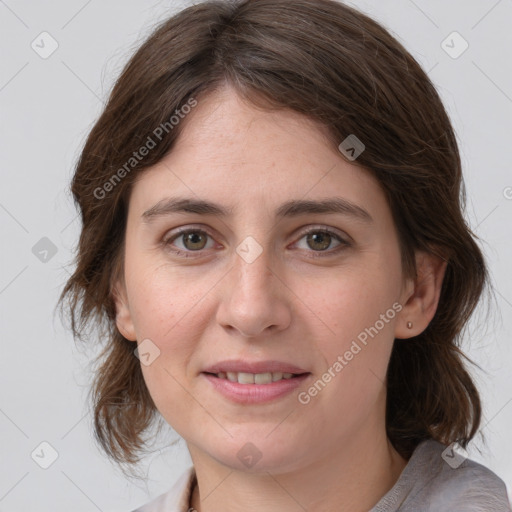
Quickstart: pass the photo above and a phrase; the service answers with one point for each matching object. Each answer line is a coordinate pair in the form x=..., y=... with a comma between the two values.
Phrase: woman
x=273, y=236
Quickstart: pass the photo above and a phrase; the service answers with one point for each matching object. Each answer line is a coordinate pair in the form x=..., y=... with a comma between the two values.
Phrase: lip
x=255, y=393
x=239, y=365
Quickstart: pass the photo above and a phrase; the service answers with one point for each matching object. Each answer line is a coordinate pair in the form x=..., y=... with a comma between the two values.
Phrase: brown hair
x=334, y=65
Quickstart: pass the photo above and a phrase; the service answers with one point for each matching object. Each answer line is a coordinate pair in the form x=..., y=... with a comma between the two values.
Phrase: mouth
x=255, y=378
x=245, y=382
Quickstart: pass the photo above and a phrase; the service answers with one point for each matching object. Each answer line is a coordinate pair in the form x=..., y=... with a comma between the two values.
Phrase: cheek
x=351, y=300
x=163, y=299
x=169, y=311
x=355, y=351
x=357, y=309
x=170, y=307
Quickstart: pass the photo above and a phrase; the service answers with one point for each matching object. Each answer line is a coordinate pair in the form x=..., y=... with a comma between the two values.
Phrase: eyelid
x=184, y=229
x=177, y=232
x=343, y=237
x=344, y=242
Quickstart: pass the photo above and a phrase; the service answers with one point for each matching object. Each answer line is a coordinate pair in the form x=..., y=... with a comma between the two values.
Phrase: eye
x=320, y=240
x=315, y=241
x=188, y=240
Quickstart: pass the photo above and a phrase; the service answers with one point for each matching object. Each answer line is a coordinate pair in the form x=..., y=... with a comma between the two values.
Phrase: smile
x=255, y=378
x=254, y=388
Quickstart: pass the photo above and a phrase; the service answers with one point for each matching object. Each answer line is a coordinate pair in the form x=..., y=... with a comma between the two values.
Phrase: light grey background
x=48, y=106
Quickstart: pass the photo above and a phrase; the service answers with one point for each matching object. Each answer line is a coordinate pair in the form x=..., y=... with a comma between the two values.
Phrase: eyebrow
x=293, y=208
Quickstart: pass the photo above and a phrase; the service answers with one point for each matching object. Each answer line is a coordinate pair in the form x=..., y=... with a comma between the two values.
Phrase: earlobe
x=124, y=321
x=422, y=295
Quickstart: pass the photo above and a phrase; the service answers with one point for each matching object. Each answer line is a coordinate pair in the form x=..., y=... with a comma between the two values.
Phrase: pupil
x=323, y=239
x=194, y=238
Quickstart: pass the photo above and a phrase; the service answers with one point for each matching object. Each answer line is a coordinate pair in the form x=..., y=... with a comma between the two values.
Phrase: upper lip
x=238, y=365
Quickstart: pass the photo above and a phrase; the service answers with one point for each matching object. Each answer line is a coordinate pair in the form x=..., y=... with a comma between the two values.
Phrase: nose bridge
x=255, y=300
x=252, y=270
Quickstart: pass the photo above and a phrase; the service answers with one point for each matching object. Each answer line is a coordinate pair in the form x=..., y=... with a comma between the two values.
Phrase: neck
x=352, y=478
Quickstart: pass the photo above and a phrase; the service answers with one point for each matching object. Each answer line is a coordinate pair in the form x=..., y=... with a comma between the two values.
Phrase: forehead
x=236, y=154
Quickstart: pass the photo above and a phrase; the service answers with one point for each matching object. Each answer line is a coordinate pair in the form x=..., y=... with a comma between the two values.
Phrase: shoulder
x=176, y=499
x=438, y=479
x=468, y=485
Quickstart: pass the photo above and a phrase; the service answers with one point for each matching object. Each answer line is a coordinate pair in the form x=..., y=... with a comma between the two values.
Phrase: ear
x=123, y=316
x=421, y=295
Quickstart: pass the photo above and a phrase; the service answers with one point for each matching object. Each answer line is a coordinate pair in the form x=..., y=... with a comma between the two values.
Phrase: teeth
x=262, y=378
x=254, y=378
x=245, y=378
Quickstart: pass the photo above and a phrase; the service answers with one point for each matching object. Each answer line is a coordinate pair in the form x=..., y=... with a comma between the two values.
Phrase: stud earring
x=409, y=325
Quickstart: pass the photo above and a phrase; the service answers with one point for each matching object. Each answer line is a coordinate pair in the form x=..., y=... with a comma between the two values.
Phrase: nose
x=254, y=299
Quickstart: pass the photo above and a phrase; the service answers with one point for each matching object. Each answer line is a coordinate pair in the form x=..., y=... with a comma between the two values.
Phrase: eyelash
x=314, y=254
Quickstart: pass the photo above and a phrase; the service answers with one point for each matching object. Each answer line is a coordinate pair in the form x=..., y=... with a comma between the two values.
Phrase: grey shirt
x=429, y=483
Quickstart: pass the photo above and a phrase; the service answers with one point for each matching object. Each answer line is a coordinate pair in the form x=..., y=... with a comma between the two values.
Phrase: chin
x=258, y=455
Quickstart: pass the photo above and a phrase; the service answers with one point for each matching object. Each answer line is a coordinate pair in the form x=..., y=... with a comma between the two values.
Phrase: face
x=267, y=281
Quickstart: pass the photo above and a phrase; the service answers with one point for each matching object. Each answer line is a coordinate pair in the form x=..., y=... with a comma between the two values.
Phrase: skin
x=287, y=305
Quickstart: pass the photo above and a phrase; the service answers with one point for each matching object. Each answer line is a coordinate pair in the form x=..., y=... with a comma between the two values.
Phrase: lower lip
x=255, y=393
